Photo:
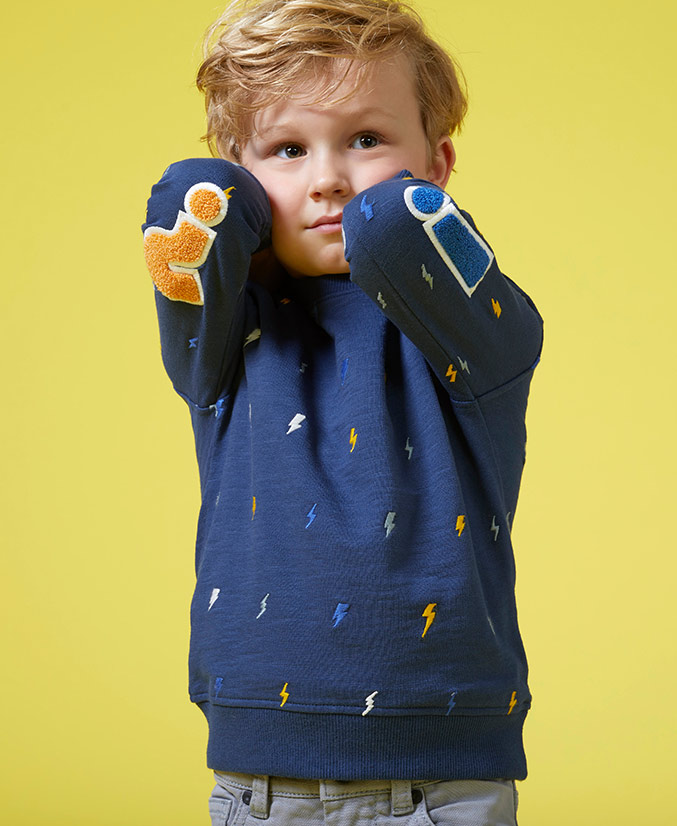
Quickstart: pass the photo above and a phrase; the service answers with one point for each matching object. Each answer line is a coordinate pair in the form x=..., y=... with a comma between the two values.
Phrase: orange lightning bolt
x=253, y=506
x=429, y=614
x=353, y=438
x=284, y=694
x=497, y=307
x=513, y=702
x=451, y=373
x=460, y=523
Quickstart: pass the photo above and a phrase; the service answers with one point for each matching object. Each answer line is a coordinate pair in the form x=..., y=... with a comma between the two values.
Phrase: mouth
x=328, y=223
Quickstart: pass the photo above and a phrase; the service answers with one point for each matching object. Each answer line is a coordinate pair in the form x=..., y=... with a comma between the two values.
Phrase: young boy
x=357, y=371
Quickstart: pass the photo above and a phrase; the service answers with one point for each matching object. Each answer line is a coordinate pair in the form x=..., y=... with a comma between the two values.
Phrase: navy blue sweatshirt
x=360, y=441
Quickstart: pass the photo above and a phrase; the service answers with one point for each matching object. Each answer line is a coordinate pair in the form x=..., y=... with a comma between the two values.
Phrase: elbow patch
x=461, y=248
x=173, y=255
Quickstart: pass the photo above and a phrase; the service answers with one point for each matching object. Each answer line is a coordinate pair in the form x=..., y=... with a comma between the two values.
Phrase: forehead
x=383, y=89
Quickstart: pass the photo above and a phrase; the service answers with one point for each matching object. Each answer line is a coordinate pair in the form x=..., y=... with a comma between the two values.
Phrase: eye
x=367, y=140
x=289, y=150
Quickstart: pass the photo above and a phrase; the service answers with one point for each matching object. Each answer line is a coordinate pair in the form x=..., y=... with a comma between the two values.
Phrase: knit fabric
x=360, y=441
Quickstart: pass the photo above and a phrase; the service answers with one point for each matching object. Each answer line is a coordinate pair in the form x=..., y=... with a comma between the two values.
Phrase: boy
x=357, y=371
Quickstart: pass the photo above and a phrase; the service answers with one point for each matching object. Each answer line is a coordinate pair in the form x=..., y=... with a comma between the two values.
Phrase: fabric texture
x=360, y=441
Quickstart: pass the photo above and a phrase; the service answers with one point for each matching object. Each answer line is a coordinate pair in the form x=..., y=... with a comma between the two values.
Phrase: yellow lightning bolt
x=284, y=694
x=284, y=301
x=460, y=523
x=513, y=702
x=228, y=191
x=451, y=373
x=253, y=506
x=353, y=438
x=429, y=614
x=497, y=307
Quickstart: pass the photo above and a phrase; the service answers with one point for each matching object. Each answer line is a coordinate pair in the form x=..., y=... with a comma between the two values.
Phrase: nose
x=329, y=177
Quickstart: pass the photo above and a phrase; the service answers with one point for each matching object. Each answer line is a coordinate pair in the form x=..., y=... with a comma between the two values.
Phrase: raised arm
x=422, y=260
x=206, y=217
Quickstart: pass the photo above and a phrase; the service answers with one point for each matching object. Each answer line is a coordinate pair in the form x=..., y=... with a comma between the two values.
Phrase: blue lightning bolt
x=340, y=612
x=389, y=524
x=192, y=343
x=218, y=407
x=452, y=702
x=366, y=209
x=311, y=515
x=344, y=371
x=218, y=682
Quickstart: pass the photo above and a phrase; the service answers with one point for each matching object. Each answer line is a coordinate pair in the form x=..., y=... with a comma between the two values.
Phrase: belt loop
x=259, y=802
x=403, y=802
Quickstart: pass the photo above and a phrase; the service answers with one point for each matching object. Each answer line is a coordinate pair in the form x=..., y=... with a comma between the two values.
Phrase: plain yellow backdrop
x=567, y=162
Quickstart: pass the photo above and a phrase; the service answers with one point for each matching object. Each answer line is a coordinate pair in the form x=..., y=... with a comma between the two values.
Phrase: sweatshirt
x=360, y=441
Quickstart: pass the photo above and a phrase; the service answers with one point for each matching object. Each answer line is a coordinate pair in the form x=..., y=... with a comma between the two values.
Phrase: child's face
x=312, y=159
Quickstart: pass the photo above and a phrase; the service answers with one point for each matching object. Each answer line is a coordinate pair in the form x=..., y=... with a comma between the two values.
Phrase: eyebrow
x=292, y=125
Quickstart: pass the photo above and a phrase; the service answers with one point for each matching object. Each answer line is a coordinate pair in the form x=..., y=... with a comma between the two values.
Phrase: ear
x=443, y=160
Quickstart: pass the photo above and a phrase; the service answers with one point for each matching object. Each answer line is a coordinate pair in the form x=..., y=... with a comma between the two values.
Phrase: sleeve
x=205, y=219
x=423, y=261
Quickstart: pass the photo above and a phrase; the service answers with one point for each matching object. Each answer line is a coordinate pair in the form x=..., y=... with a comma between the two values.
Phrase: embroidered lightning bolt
x=429, y=614
x=460, y=523
x=213, y=597
x=495, y=528
x=353, y=438
x=409, y=448
x=263, y=606
x=340, y=613
x=369, y=701
x=311, y=515
x=295, y=423
x=513, y=702
x=389, y=524
x=284, y=694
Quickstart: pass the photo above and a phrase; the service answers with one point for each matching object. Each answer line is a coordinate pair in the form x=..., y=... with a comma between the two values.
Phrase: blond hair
x=256, y=52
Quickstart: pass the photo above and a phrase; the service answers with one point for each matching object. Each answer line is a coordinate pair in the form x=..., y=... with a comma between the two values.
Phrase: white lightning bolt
x=494, y=527
x=389, y=524
x=302, y=369
x=214, y=597
x=295, y=423
x=370, y=703
x=252, y=336
x=381, y=300
x=409, y=448
x=464, y=365
x=263, y=606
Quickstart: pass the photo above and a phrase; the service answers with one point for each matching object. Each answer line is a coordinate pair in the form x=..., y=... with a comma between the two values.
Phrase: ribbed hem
x=343, y=747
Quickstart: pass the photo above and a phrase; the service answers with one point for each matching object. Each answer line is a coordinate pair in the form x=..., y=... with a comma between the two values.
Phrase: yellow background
x=568, y=164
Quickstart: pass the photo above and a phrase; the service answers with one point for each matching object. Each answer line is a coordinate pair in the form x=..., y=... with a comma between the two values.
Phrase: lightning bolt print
x=284, y=694
x=451, y=374
x=344, y=371
x=311, y=515
x=464, y=365
x=340, y=613
x=429, y=615
x=425, y=275
x=253, y=506
x=389, y=524
x=452, y=703
x=253, y=336
x=295, y=423
x=353, y=438
x=409, y=448
x=497, y=307
x=495, y=528
x=513, y=702
x=263, y=606
x=369, y=702
x=213, y=598
x=460, y=523
x=381, y=300
x=367, y=209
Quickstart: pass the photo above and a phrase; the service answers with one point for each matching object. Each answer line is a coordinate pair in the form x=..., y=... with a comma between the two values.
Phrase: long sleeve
x=205, y=219
x=422, y=260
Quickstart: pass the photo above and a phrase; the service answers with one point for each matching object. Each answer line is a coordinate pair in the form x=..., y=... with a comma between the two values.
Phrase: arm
x=206, y=218
x=422, y=260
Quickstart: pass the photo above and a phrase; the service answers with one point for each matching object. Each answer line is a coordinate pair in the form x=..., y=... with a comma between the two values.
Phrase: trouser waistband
x=262, y=788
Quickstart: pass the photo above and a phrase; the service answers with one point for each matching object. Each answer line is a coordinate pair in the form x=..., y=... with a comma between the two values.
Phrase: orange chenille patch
x=204, y=204
x=184, y=246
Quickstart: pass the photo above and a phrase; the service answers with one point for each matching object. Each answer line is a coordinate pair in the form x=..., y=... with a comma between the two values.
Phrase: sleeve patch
x=173, y=255
x=463, y=251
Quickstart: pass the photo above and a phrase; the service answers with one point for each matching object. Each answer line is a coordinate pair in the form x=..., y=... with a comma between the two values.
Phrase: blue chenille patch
x=469, y=258
x=427, y=200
